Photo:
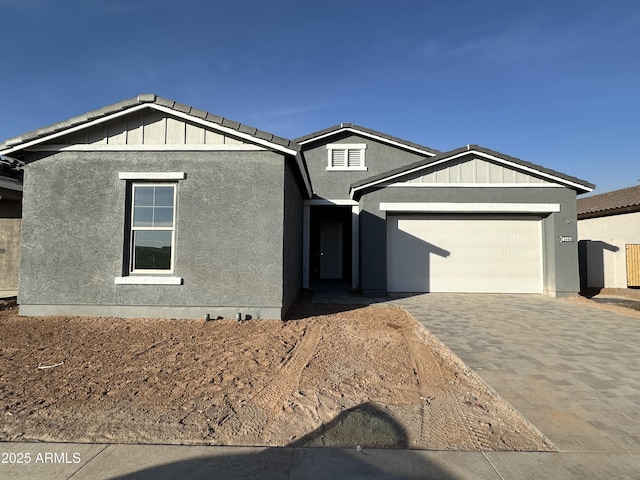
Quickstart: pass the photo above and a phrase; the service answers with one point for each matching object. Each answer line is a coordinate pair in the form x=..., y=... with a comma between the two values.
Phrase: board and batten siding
x=475, y=170
x=148, y=128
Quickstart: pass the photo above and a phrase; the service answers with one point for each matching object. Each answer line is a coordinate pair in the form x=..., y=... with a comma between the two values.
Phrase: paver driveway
x=573, y=371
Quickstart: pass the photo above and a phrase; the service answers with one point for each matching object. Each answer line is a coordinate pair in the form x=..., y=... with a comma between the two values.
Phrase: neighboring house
x=10, y=221
x=609, y=234
x=149, y=207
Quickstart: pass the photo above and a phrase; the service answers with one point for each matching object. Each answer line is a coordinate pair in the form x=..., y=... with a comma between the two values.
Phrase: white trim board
x=147, y=280
x=470, y=207
x=472, y=185
x=152, y=175
x=160, y=147
x=325, y=202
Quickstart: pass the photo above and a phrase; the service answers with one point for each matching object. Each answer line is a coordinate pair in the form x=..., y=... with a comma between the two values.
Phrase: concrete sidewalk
x=160, y=462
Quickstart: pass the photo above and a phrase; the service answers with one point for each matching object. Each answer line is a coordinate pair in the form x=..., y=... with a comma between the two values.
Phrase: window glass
x=152, y=228
x=143, y=196
x=152, y=250
x=163, y=196
x=163, y=217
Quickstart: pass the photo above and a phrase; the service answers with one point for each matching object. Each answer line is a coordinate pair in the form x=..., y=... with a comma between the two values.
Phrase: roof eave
x=580, y=186
x=609, y=212
x=378, y=136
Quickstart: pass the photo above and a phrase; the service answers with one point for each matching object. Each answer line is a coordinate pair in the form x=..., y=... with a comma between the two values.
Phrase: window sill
x=347, y=169
x=147, y=280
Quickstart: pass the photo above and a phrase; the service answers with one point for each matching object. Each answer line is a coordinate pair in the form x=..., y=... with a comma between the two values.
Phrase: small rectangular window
x=152, y=228
x=346, y=156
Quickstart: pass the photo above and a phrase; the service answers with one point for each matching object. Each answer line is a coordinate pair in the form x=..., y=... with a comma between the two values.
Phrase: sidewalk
x=160, y=462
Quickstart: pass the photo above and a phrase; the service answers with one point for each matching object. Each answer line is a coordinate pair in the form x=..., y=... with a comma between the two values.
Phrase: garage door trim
x=423, y=207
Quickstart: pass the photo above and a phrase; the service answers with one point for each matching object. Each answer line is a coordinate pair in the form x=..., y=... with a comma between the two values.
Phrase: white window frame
x=153, y=277
x=133, y=229
x=346, y=147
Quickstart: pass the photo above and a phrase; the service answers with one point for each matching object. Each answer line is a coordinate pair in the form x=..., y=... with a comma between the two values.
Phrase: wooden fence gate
x=633, y=265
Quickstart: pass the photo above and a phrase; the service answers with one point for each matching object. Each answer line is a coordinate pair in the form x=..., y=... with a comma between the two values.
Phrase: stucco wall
x=10, y=226
x=333, y=185
x=292, y=243
x=560, y=269
x=229, y=231
x=606, y=257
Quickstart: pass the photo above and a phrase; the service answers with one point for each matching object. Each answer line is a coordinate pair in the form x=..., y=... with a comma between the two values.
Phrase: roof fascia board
x=221, y=128
x=143, y=106
x=369, y=135
x=67, y=131
x=537, y=172
x=461, y=154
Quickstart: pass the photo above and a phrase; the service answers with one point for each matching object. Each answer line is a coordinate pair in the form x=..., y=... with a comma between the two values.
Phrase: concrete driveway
x=572, y=370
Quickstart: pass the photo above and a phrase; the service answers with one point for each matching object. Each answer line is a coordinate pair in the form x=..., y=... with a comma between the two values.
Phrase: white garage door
x=464, y=253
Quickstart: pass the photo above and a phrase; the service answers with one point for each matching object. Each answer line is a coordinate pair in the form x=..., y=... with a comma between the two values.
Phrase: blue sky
x=552, y=82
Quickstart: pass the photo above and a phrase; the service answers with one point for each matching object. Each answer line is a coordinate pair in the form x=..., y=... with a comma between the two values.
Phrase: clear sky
x=551, y=82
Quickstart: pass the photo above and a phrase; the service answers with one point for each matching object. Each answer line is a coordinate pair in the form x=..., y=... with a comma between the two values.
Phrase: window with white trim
x=152, y=227
x=343, y=156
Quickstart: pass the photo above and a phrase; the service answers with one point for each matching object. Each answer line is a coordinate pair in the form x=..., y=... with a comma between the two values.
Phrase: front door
x=331, y=250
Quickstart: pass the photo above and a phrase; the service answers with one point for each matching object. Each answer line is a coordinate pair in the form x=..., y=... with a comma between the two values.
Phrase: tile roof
x=443, y=156
x=342, y=126
x=610, y=203
x=142, y=99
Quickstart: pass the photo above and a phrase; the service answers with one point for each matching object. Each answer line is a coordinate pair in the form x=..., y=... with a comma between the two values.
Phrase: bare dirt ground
x=325, y=377
x=588, y=298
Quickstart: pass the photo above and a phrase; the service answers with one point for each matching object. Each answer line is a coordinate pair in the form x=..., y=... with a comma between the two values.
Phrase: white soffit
x=470, y=207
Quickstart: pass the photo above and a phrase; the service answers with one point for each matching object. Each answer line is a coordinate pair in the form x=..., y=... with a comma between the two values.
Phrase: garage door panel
x=464, y=253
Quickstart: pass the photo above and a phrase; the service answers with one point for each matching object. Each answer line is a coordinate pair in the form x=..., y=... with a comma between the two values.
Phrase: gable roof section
x=625, y=200
x=366, y=132
x=14, y=147
x=581, y=186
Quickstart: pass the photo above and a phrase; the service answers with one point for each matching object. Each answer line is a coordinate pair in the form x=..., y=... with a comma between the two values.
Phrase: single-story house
x=609, y=234
x=10, y=224
x=153, y=208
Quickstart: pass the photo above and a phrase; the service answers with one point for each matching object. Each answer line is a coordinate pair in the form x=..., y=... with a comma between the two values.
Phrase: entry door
x=330, y=250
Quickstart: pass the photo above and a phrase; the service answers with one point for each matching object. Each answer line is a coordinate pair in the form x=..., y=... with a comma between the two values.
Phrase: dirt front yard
x=326, y=377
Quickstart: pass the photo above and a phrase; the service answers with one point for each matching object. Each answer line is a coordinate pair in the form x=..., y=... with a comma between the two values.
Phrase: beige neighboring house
x=609, y=235
x=10, y=226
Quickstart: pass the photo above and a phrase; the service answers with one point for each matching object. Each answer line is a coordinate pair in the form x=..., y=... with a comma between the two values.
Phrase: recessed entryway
x=330, y=243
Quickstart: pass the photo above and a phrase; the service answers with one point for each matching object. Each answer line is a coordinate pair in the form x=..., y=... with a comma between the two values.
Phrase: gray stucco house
x=149, y=207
